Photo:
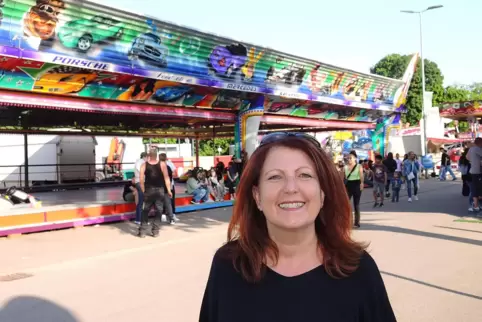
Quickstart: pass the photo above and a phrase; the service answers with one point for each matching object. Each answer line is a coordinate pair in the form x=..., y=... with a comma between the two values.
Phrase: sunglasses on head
x=278, y=136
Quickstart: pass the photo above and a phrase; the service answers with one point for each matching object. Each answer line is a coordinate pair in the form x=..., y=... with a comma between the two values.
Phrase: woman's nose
x=291, y=184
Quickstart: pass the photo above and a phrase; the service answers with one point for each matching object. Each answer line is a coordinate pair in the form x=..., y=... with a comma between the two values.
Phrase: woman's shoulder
x=223, y=264
x=225, y=254
x=367, y=269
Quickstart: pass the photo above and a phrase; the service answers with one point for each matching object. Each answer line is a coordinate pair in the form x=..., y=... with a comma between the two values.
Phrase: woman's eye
x=274, y=177
x=306, y=176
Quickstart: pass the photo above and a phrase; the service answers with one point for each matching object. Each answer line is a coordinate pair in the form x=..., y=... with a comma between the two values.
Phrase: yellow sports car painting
x=62, y=83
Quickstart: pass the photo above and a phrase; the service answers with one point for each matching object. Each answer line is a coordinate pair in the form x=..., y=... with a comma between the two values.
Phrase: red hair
x=249, y=244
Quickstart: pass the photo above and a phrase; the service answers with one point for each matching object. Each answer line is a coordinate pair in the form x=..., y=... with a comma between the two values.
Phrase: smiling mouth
x=291, y=205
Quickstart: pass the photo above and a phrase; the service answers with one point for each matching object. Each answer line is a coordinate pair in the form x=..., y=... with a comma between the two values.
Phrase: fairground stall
x=102, y=71
x=470, y=111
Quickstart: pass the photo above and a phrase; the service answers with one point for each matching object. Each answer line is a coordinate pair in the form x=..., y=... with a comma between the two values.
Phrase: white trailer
x=49, y=159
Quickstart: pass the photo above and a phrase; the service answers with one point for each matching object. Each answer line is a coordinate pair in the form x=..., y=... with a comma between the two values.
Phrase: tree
x=395, y=65
x=210, y=147
x=475, y=91
x=158, y=140
x=453, y=94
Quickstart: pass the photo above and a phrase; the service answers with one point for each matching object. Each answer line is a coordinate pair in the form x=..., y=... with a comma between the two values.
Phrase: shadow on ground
x=414, y=232
x=432, y=285
x=30, y=308
x=188, y=222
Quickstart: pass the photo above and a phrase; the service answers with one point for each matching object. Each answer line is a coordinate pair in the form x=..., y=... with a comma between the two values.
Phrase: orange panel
x=183, y=201
x=18, y=220
x=125, y=207
x=80, y=213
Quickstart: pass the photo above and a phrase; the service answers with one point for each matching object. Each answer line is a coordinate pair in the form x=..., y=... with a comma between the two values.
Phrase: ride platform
x=78, y=208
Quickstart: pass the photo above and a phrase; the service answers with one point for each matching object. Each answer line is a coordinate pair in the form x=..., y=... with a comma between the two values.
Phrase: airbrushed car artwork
x=148, y=47
x=227, y=60
x=171, y=93
x=42, y=19
x=63, y=83
x=282, y=72
x=83, y=33
x=64, y=80
x=228, y=99
x=364, y=143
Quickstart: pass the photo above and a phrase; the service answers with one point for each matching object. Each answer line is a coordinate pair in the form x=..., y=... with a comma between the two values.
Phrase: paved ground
x=430, y=262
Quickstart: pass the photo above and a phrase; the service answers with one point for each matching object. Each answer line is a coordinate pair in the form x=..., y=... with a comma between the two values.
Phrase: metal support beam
x=25, y=162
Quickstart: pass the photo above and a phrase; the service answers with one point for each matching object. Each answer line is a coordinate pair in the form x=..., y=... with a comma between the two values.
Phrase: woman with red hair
x=289, y=255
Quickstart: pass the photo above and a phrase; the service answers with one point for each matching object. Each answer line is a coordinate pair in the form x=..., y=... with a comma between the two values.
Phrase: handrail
x=54, y=176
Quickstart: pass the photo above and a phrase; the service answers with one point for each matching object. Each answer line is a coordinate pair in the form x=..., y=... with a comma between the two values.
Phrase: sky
x=351, y=34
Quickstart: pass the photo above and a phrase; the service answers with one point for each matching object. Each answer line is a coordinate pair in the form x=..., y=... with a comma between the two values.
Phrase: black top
x=391, y=165
x=154, y=176
x=445, y=159
x=310, y=297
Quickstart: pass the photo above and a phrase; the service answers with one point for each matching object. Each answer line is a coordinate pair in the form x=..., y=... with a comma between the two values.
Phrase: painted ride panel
x=30, y=220
x=78, y=47
x=462, y=110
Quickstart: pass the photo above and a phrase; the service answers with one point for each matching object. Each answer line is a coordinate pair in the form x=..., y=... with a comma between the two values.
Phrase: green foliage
x=453, y=94
x=395, y=65
x=158, y=140
x=210, y=147
x=463, y=126
x=475, y=91
x=472, y=92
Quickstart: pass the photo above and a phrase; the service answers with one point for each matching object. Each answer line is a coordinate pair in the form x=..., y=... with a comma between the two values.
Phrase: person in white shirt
x=171, y=168
x=399, y=163
x=140, y=194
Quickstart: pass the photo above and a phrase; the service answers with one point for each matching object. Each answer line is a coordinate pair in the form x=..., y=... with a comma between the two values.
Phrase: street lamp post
x=424, y=132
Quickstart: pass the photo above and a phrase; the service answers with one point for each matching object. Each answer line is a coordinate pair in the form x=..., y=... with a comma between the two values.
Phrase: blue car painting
x=171, y=93
x=363, y=143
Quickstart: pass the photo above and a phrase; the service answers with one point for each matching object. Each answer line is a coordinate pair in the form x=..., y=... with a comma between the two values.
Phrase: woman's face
x=351, y=159
x=289, y=192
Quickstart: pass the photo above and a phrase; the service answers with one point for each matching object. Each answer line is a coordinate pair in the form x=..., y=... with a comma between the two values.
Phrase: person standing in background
x=169, y=200
x=380, y=178
x=354, y=183
x=402, y=173
x=411, y=168
x=396, y=184
x=475, y=157
x=391, y=166
x=399, y=163
x=154, y=184
x=233, y=176
x=140, y=194
x=445, y=166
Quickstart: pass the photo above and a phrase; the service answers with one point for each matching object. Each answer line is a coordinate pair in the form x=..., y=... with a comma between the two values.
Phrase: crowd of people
x=153, y=186
x=387, y=176
x=215, y=182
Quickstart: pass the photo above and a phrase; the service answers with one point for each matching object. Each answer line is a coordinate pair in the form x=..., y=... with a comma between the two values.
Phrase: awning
x=56, y=102
x=445, y=140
